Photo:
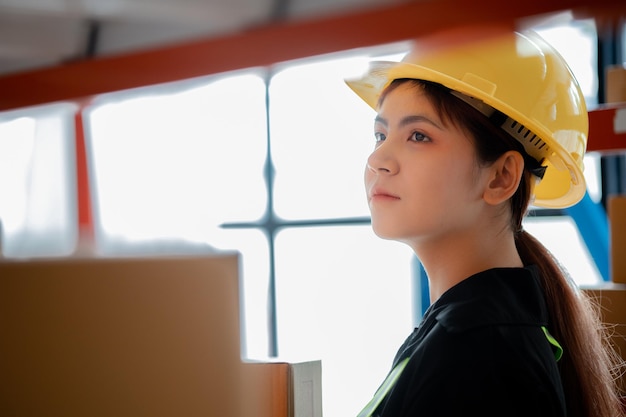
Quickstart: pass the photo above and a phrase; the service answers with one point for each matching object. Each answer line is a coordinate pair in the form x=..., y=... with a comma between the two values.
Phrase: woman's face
x=423, y=181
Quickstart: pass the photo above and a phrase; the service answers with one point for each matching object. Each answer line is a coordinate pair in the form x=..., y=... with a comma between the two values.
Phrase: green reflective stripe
x=384, y=389
x=559, y=350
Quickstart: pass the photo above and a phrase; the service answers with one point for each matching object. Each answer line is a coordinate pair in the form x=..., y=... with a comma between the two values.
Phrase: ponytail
x=589, y=366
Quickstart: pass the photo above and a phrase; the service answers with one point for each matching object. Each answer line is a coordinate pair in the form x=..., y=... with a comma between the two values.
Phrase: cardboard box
x=120, y=337
x=616, y=211
x=137, y=337
x=282, y=389
x=611, y=300
x=615, y=90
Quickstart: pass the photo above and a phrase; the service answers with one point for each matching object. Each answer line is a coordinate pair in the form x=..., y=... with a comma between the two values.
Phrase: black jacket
x=480, y=350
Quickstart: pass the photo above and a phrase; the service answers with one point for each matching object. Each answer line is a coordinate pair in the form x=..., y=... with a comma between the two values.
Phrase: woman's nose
x=382, y=160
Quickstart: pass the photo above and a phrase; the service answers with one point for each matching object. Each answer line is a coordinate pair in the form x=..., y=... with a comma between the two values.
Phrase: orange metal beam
x=271, y=44
x=83, y=190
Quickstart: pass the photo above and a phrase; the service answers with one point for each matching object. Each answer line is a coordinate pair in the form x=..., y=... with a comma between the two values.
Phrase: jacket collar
x=511, y=296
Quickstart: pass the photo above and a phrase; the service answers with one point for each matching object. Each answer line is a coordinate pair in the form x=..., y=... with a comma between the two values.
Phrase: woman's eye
x=379, y=137
x=419, y=137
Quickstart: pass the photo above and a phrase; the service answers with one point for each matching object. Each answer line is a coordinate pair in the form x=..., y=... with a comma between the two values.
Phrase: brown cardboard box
x=616, y=211
x=120, y=337
x=137, y=337
x=615, y=91
x=282, y=389
x=611, y=300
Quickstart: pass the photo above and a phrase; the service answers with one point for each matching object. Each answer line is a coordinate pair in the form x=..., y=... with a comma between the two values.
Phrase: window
x=343, y=296
x=174, y=162
x=37, y=182
x=171, y=164
x=321, y=134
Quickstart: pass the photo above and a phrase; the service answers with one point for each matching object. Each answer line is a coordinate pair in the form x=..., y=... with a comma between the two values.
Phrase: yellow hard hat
x=518, y=74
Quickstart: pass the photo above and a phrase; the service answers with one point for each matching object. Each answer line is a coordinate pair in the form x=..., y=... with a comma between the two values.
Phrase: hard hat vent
x=533, y=144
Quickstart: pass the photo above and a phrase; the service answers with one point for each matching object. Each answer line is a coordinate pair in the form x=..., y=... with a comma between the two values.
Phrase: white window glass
x=38, y=182
x=254, y=286
x=343, y=296
x=321, y=136
x=593, y=175
x=561, y=236
x=169, y=165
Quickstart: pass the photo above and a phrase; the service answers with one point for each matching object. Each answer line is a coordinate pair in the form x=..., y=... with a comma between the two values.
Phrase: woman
x=467, y=136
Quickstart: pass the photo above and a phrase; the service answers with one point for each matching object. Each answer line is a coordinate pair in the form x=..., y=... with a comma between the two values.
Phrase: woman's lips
x=382, y=195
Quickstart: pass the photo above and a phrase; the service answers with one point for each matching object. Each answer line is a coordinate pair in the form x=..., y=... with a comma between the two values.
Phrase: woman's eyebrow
x=407, y=120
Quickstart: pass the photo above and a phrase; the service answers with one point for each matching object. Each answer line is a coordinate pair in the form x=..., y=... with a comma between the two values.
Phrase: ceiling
x=41, y=33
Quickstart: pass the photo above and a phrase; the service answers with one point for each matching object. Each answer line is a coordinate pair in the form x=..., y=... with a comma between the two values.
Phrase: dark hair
x=589, y=368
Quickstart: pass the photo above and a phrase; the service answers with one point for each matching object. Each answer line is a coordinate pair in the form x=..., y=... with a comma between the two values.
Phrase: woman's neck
x=450, y=261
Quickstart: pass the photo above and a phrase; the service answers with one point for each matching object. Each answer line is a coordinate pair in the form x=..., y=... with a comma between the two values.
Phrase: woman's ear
x=504, y=178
